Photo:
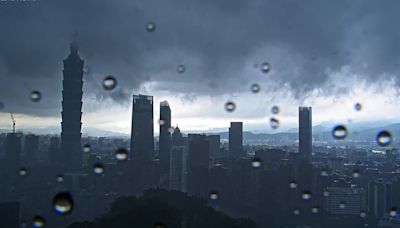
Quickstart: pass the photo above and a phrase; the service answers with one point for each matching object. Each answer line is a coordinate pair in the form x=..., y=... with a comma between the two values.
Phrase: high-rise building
x=142, y=132
x=13, y=151
x=214, y=145
x=72, y=110
x=165, y=143
x=31, y=147
x=54, y=150
x=142, y=143
x=197, y=166
x=346, y=200
x=236, y=139
x=305, y=132
x=177, y=161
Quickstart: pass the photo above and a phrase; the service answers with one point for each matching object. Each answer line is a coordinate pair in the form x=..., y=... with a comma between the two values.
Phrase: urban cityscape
x=199, y=114
x=67, y=180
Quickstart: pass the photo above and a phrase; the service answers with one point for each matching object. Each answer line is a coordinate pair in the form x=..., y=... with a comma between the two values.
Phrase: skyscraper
x=177, y=161
x=72, y=110
x=197, y=166
x=236, y=139
x=305, y=132
x=31, y=147
x=142, y=132
x=13, y=151
x=142, y=143
x=165, y=143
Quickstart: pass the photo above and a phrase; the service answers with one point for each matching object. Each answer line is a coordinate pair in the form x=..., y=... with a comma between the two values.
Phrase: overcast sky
x=323, y=53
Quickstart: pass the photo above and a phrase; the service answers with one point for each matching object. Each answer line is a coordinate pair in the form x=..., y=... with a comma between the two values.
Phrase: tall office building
x=177, y=161
x=305, y=132
x=165, y=143
x=13, y=151
x=215, y=141
x=31, y=147
x=72, y=110
x=142, y=132
x=142, y=143
x=236, y=139
x=197, y=166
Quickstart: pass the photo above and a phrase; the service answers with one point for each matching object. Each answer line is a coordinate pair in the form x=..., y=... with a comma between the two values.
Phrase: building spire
x=74, y=48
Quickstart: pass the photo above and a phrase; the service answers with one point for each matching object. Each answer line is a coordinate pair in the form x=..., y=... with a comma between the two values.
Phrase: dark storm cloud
x=217, y=41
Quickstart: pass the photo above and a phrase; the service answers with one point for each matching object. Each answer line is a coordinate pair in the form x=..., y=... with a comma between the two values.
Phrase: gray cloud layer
x=218, y=42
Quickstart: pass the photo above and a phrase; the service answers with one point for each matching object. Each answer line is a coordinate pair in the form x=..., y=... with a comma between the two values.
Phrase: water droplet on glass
x=356, y=174
x=86, y=148
x=22, y=171
x=265, y=67
x=213, y=195
x=161, y=122
x=296, y=211
x=171, y=130
x=342, y=205
x=324, y=173
x=255, y=88
x=86, y=70
x=357, y=106
x=274, y=123
x=60, y=178
x=109, y=82
x=63, y=203
x=306, y=195
x=275, y=110
x=363, y=214
x=35, y=96
x=315, y=210
x=393, y=212
x=293, y=185
x=159, y=225
x=151, y=27
x=325, y=193
x=38, y=221
x=181, y=69
x=121, y=154
x=98, y=169
x=339, y=132
x=384, y=138
x=256, y=163
x=230, y=106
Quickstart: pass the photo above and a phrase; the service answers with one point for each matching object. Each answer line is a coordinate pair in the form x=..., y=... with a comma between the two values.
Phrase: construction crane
x=13, y=120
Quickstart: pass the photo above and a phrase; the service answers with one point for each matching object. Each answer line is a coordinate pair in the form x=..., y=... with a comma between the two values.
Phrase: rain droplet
x=275, y=110
x=293, y=185
x=393, y=212
x=109, y=82
x=315, y=210
x=60, y=178
x=98, y=169
x=151, y=27
x=342, y=205
x=121, y=154
x=363, y=214
x=357, y=106
x=325, y=193
x=306, y=195
x=296, y=211
x=256, y=163
x=63, y=203
x=161, y=122
x=214, y=195
x=86, y=70
x=339, y=132
x=22, y=171
x=356, y=174
x=38, y=221
x=230, y=106
x=35, y=96
x=171, y=130
x=181, y=69
x=274, y=123
x=86, y=148
x=324, y=173
x=384, y=138
x=255, y=88
x=265, y=67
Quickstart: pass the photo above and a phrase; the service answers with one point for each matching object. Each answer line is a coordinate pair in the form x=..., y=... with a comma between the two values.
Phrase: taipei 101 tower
x=71, y=155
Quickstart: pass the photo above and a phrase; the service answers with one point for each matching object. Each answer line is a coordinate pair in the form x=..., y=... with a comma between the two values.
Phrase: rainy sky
x=325, y=54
